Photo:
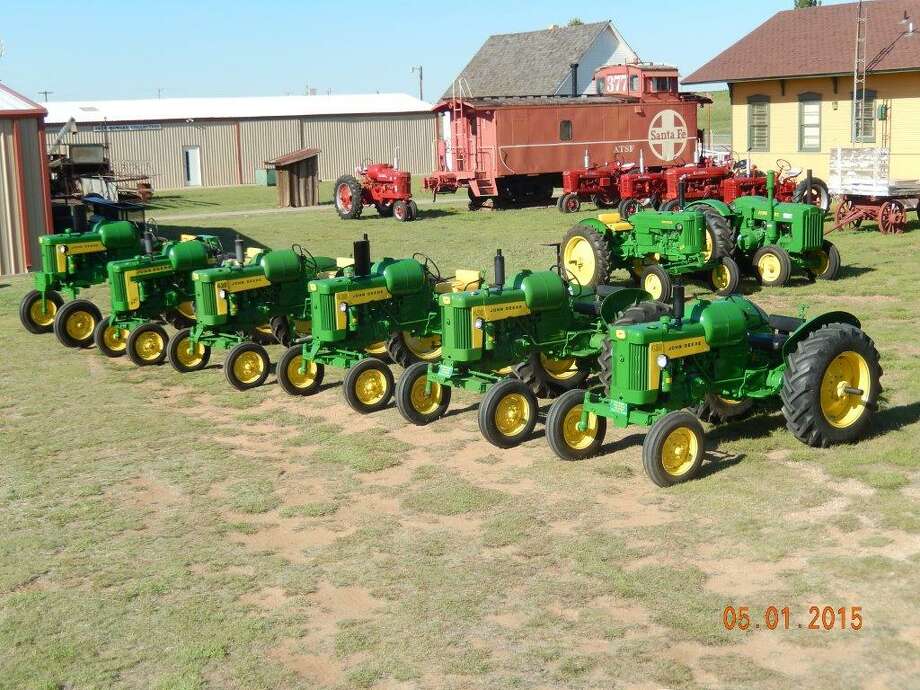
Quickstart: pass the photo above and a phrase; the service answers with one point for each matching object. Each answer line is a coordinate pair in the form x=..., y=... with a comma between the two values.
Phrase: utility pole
x=160, y=90
x=45, y=95
x=418, y=69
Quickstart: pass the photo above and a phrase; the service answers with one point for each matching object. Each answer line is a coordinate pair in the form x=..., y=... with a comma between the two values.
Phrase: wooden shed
x=297, y=178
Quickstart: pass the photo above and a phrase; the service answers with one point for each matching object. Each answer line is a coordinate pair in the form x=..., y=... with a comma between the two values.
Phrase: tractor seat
x=344, y=261
x=464, y=281
x=784, y=324
x=793, y=172
x=613, y=221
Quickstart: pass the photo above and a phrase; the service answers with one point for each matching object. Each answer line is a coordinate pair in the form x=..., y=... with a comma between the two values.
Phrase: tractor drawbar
x=362, y=252
x=499, y=270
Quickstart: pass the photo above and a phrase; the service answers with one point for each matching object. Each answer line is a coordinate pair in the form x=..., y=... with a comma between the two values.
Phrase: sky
x=95, y=49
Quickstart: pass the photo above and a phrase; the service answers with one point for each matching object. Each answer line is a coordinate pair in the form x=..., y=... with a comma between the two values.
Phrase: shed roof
x=530, y=63
x=818, y=41
x=164, y=109
x=15, y=104
x=293, y=157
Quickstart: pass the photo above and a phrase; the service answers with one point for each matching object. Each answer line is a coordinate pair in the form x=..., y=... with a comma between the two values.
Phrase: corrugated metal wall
x=13, y=256
x=345, y=141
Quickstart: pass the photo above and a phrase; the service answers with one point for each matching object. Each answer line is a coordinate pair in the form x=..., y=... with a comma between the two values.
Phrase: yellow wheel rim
x=575, y=439
x=560, y=369
x=769, y=267
x=426, y=348
x=303, y=327
x=512, y=414
x=301, y=374
x=421, y=402
x=370, y=387
x=679, y=451
x=187, y=309
x=42, y=315
x=848, y=371
x=80, y=325
x=265, y=328
x=707, y=253
x=248, y=367
x=189, y=354
x=721, y=277
x=149, y=345
x=578, y=257
x=504, y=371
x=652, y=285
x=377, y=348
x=729, y=401
x=116, y=339
x=822, y=260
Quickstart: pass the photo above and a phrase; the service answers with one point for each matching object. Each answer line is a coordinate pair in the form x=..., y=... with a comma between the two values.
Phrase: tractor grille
x=458, y=335
x=638, y=367
x=323, y=311
x=814, y=229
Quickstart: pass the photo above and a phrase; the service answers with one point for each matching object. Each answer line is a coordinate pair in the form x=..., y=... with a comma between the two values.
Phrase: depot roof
x=161, y=109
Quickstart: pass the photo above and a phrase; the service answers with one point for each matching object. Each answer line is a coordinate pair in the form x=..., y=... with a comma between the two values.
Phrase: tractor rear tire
x=184, y=356
x=830, y=259
x=294, y=381
x=719, y=233
x=34, y=317
x=368, y=386
x=628, y=206
x=820, y=384
x=147, y=344
x=569, y=203
x=508, y=413
x=586, y=256
x=401, y=211
x=179, y=320
x=644, y=312
x=247, y=366
x=715, y=409
x=563, y=435
x=725, y=279
x=657, y=282
x=413, y=403
x=110, y=341
x=673, y=450
x=281, y=330
x=347, y=195
x=75, y=322
x=405, y=349
x=819, y=188
x=772, y=266
x=537, y=373
x=263, y=335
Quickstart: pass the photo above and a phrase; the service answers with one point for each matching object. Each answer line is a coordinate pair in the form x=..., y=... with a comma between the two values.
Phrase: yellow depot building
x=791, y=86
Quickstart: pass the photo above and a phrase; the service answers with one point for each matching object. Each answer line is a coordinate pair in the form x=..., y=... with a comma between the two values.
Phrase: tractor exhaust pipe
x=808, y=197
x=499, y=270
x=682, y=193
x=574, y=71
x=362, y=254
x=677, y=302
x=148, y=242
x=238, y=250
x=78, y=218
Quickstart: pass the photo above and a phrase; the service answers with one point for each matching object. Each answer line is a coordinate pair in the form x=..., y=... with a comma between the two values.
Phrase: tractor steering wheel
x=429, y=266
x=783, y=166
x=569, y=278
x=305, y=256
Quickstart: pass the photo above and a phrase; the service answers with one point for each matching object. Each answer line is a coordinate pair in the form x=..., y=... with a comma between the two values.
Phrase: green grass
x=164, y=531
x=716, y=116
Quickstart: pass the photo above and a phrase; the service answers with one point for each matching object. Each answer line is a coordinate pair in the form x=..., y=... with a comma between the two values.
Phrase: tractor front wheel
x=247, y=366
x=628, y=206
x=671, y=206
x=401, y=211
x=187, y=356
x=672, y=452
x=586, y=256
x=569, y=203
x=508, y=413
x=831, y=385
x=563, y=434
x=418, y=400
x=368, y=386
x=413, y=210
x=110, y=341
x=657, y=282
x=37, y=313
x=75, y=323
x=604, y=201
x=298, y=376
x=348, y=197
x=147, y=345
x=548, y=377
x=384, y=208
x=773, y=266
x=725, y=278
x=826, y=262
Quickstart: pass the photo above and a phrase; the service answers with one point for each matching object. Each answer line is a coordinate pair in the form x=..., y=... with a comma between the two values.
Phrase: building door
x=191, y=159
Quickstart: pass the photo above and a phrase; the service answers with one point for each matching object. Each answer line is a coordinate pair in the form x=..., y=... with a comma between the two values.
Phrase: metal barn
x=209, y=142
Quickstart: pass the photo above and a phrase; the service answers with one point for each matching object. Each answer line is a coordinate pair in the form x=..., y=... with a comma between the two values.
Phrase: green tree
x=799, y=4
x=575, y=21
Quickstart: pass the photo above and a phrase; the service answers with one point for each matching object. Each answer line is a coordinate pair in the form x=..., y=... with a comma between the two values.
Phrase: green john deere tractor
x=773, y=238
x=72, y=261
x=720, y=358
x=393, y=301
x=149, y=289
x=235, y=301
x=533, y=335
x=653, y=246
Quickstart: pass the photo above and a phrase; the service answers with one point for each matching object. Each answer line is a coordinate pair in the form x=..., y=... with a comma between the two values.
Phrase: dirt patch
x=847, y=487
x=147, y=492
x=268, y=598
x=285, y=537
x=634, y=506
x=740, y=577
x=323, y=670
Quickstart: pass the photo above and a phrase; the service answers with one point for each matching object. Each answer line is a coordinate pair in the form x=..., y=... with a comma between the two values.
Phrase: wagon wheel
x=891, y=217
x=845, y=209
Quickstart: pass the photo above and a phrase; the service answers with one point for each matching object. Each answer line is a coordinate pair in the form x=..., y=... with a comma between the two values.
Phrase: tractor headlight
x=662, y=361
x=343, y=307
x=479, y=323
x=679, y=227
x=62, y=249
x=223, y=294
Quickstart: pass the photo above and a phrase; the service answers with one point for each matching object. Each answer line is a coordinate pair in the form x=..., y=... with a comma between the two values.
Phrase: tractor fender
x=615, y=302
x=721, y=207
x=595, y=225
x=813, y=325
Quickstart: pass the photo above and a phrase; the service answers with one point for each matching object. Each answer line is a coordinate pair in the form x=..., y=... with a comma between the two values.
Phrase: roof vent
x=89, y=108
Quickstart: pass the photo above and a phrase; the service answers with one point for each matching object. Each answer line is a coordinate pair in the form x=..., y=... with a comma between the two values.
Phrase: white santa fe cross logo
x=667, y=135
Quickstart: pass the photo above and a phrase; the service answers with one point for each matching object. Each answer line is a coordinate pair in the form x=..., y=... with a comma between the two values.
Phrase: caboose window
x=634, y=83
x=565, y=130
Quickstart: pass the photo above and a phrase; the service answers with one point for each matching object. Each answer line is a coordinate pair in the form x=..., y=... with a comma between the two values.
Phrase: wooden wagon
x=860, y=180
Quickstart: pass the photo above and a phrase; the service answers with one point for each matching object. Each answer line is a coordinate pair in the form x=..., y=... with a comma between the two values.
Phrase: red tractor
x=379, y=184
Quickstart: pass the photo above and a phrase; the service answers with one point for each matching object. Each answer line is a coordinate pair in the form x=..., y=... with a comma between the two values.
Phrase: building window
x=565, y=130
x=810, y=122
x=864, y=124
x=759, y=123
x=634, y=83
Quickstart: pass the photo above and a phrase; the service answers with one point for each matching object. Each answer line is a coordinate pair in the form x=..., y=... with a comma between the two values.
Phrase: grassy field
x=164, y=531
x=717, y=116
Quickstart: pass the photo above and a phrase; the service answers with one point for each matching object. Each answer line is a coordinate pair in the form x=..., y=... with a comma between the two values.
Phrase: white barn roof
x=12, y=102
x=159, y=109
